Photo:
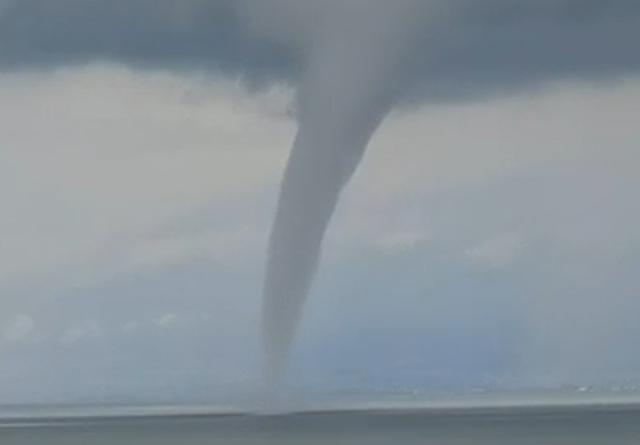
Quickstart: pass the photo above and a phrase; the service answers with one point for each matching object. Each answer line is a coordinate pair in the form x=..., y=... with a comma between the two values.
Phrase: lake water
x=569, y=425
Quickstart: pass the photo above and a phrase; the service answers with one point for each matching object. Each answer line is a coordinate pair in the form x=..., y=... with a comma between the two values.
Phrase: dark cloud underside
x=187, y=34
x=478, y=47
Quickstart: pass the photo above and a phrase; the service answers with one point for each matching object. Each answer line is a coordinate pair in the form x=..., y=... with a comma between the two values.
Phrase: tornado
x=346, y=92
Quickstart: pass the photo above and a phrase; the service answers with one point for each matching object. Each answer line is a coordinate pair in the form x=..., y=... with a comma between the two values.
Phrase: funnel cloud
x=350, y=62
x=346, y=93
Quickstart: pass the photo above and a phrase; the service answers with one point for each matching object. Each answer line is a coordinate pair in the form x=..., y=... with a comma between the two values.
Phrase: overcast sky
x=489, y=238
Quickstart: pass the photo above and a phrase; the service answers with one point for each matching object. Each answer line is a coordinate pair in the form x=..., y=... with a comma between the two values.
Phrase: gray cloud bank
x=462, y=48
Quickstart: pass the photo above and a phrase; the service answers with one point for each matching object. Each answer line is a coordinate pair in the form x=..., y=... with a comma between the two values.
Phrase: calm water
x=577, y=425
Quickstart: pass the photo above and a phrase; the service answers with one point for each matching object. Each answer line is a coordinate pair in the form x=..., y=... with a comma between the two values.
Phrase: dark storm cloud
x=186, y=34
x=465, y=47
x=504, y=45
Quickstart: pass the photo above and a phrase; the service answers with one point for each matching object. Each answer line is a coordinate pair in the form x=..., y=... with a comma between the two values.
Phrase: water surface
x=561, y=425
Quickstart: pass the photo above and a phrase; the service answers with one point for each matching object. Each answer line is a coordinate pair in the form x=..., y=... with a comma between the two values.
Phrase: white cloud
x=496, y=252
x=101, y=166
x=223, y=245
x=19, y=328
x=401, y=240
x=166, y=320
x=99, y=163
x=442, y=147
x=130, y=327
x=421, y=154
x=86, y=330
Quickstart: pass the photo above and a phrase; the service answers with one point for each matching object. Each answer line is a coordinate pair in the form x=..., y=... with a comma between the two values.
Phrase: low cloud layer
x=119, y=161
x=487, y=239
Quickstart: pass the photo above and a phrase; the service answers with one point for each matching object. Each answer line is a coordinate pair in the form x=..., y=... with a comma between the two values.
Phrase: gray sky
x=486, y=240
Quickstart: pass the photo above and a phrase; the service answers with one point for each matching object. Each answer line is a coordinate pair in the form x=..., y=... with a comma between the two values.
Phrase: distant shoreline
x=95, y=416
